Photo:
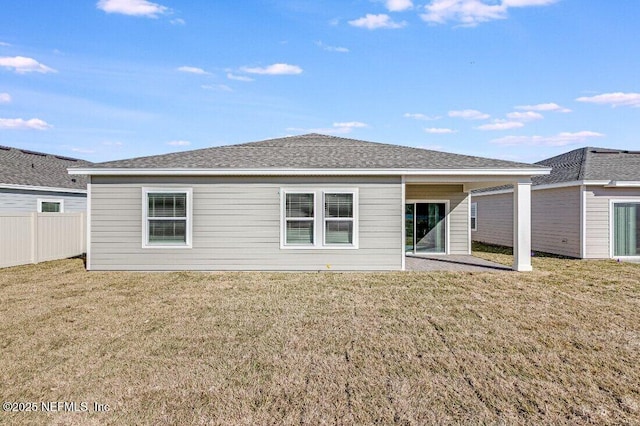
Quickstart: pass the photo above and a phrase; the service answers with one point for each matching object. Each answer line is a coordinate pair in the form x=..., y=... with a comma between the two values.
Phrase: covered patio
x=453, y=263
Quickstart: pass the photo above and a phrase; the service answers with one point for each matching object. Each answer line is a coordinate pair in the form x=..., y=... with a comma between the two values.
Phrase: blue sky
x=514, y=79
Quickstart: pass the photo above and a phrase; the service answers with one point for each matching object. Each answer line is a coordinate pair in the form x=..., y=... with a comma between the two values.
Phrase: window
x=167, y=216
x=317, y=219
x=299, y=218
x=338, y=218
x=474, y=216
x=50, y=206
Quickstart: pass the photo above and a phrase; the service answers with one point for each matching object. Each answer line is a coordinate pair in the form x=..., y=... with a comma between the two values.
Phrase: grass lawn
x=558, y=345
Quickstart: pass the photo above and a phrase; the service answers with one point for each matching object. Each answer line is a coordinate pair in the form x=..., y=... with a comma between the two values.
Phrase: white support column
x=522, y=226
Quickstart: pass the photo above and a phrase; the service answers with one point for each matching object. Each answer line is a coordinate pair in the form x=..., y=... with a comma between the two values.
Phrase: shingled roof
x=22, y=167
x=311, y=151
x=590, y=163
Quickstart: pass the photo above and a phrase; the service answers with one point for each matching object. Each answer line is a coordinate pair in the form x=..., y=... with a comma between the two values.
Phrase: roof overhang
x=533, y=171
x=42, y=188
x=604, y=183
x=623, y=184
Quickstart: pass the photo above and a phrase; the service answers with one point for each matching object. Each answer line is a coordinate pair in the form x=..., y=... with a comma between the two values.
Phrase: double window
x=319, y=219
x=167, y=217
x=474, y=216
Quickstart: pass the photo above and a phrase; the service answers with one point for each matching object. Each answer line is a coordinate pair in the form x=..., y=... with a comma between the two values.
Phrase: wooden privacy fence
x=38, y=237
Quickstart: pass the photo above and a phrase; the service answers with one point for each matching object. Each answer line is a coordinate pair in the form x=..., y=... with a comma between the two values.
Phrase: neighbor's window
x=474, y=216
x=167, y=218
x=50, y=206
x=299, y=218
x=338, y=218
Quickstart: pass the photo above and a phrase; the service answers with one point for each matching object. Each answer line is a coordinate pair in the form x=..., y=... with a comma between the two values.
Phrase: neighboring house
x=310, y=202
x=588, y=207
x=38, y=182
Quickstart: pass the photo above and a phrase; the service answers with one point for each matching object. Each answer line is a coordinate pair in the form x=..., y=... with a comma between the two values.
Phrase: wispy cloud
x=470, y=13
x=375, y=22
x=398, y=5
x=469, y=114
x=133, y=8
x=5, y=98
x=439, y=131
x=3, y=43
x=331, y=48
x=525, y=116
x=23, y=65
x=614, y=99
x=192, y=70
x=337, y=129
x=551, y=106
x=112, y=143
x=275, y=69
x=179, y=143
x=501, y=125
x=218, y=87
x=178, y=21
x=561, y=139
x=419, y=116
x=232, y=76
x=21, y=124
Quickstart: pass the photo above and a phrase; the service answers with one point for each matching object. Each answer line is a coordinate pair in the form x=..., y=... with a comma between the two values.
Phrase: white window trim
x=473, y=206
x=50, y=200
x=612, y=203
x=446, y=227
x=285, y=219
x=145, y=218
x=319, y=219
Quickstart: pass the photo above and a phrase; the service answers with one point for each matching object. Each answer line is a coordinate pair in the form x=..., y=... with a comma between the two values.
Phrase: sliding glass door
x=425, y=227
x=626, y=229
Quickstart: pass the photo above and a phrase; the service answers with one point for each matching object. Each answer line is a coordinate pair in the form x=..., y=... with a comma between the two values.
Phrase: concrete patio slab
x=458, y=263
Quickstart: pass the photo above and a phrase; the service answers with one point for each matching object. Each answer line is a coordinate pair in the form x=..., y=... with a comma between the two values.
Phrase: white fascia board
x=310, y=172
x=548, y=186
x=623, y=184
x=42, y=188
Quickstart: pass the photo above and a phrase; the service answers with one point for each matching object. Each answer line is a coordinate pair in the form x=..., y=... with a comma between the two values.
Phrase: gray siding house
x=304, y=203
x=588, y=207
x=37, y=182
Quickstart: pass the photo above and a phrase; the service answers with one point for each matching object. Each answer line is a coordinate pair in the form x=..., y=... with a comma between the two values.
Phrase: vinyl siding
x=236, y=225
x=597, y=201
x=19, y=200
x=494, y=221
x=458, y=218
x=555, y=220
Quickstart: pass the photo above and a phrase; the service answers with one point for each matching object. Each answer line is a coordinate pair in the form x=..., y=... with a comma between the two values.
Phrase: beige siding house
x=588, y=207
x=302, y=203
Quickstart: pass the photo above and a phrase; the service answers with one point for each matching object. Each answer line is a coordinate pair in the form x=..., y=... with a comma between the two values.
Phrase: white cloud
x=133, y=8
x=332, y=48
x=22, y=65
x=178, y=21
x=179, y=143
x=614, y=99
x=398, y=5
x=2, y=43
x=469, y=114
x=275, y=69
x=192, y=70
x=470, y=13
x=561, y=139
x=419, y=116
x=337, y=129
x=218, y=87
x=544, y=107
x=21, y=124
x=82, y=150
x=439, y=131
x=501, y=125
x=350, y=124
x=525, y=116
x=5, y=98
x=112, y=143
x=374, y=22
x=231, y=76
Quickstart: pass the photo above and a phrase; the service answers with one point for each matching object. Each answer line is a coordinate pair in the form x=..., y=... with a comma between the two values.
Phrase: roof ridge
x=39, y=154
x=583, y=163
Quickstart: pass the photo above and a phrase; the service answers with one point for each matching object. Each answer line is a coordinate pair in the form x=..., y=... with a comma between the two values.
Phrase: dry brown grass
x=559, y=345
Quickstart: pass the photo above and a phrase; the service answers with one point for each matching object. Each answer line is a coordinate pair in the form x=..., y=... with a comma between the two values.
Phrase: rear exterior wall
x=236, y=225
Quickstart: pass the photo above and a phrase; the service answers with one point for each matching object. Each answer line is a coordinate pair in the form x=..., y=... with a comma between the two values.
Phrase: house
x=588, y=207
x=307, y=203
x=37, y=182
